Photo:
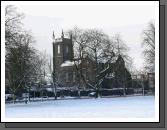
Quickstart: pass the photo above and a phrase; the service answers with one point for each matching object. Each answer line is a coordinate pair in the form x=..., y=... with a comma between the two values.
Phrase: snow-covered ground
x=118, y=107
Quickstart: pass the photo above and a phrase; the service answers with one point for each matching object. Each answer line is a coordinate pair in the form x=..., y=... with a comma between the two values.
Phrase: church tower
x=62, y=51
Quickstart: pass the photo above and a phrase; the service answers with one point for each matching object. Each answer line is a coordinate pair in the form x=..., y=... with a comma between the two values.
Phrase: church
x=65, y=68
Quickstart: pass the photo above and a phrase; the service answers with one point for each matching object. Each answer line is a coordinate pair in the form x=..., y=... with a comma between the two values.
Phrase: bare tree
x=40, y=69
x=18, y=63
x=19, y=68
x=52, y=78
x=96, y=45
x=101, y=49
x=13, y=25
x=80, y=41
x=149, y=46
x=120, y=48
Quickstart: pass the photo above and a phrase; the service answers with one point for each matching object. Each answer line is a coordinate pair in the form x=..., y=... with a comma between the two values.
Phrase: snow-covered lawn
x=118, y=107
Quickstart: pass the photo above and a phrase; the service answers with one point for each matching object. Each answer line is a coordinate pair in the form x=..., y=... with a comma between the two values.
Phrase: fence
x=67, y=94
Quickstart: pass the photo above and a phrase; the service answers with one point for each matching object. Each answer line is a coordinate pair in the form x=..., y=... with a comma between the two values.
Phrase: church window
x=58, y=49
x=66, y=49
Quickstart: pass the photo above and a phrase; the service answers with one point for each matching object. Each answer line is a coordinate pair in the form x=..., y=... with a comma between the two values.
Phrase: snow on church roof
x=67, y=63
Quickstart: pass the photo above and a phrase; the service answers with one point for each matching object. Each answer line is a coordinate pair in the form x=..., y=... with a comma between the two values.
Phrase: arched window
x=58, y=49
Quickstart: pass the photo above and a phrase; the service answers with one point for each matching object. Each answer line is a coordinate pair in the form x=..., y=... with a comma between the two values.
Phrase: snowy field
x=118, y=107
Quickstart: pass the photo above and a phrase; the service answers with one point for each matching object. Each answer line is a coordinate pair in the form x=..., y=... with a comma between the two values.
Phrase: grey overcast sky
x=129, y=20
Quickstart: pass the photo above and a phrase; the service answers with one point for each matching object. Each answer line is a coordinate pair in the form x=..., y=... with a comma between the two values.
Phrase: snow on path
x=121, y=107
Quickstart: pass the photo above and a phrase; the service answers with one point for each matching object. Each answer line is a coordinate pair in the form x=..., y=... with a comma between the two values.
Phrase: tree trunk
x=143, y=89
x=97, y=93
x=41, y=93
x=125, y=84
x=14, y=98
x=55, y=92
x=79, y=94
x=29, y=93
x=124, y=91
x=34, y=94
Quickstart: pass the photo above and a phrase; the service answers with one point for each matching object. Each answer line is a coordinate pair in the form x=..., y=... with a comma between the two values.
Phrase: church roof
x=67, y=63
